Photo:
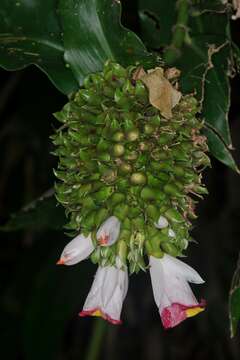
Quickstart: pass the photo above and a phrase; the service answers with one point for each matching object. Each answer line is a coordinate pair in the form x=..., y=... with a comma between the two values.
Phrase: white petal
x=169, y=281
x=114, y=291
x=179, y=268
x=107, y=293
x=176, y=290
x=94, y=298
x=162, y=223
x=77, y=250
x=108, y=232
x=157, y=279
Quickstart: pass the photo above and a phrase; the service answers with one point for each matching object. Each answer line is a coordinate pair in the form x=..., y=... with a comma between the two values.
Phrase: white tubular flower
x=108, y=232
x=76, y=250
x=107, y=293
x=172, y=293
x=162, y=222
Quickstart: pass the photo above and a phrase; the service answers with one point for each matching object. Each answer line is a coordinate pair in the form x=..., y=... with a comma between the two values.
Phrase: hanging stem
x=179, y=32
x=99, y=330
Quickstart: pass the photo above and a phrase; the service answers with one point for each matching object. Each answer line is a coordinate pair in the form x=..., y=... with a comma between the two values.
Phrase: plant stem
x=179, y=32
x=95, y=345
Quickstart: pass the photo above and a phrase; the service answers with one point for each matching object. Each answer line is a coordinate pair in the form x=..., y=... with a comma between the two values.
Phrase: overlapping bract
x=119, y=156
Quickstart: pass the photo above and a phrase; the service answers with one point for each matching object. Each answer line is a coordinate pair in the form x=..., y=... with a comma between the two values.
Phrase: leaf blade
x=30, y=35
x=98, y=36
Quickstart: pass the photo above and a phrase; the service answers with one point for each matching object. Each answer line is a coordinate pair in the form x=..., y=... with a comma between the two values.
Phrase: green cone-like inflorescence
x=119, y=157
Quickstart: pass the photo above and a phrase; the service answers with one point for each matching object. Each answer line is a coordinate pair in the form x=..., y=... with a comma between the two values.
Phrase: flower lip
x=98, y=312
x=176, y=313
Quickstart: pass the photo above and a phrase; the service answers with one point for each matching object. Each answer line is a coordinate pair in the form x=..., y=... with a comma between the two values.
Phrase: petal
x=178, y=267
x=172, y=293
x=162, y=223
x=157, y=279
x=76, y=250
x=107, y=293
x=99, y=313
x=176, y=313
x=113, y=296
x=108, y=232
x=177, y=290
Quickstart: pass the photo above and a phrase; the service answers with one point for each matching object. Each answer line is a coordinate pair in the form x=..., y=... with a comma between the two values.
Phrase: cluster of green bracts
x=119, y=157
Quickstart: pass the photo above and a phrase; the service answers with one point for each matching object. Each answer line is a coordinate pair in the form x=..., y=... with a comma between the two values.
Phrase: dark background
x=40, y=301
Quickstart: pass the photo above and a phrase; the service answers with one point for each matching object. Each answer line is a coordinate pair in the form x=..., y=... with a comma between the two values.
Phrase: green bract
x=119, y=157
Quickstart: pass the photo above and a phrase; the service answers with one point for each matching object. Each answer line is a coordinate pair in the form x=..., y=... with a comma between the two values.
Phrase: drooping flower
x=107, y=293
x=172, y=293
x=76, y=250
x=108, y=232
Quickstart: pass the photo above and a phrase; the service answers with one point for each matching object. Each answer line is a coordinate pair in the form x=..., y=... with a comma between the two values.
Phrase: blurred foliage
x=38, y=32
x=92, y=34
x=40, y=302
x=235, y=301
x=36, y=215
x=200, y=45
x=30, y=34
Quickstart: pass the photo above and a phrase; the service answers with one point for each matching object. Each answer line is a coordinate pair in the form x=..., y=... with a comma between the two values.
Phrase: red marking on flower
x=103, y=240
x=176, y=313
x=61, y=262
x=105, y=316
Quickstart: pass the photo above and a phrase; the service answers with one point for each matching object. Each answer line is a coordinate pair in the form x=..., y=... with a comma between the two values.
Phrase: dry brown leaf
x=139, y=73
x=162, y=94
x=172, y=73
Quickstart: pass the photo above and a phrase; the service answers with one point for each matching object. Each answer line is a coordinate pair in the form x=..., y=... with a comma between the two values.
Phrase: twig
x=179, y=32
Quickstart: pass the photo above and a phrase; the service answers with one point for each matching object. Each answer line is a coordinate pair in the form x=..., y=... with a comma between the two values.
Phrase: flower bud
x=132, y=135
x=118, y=150
x=138, y=178
x=118, y=136
x=173, y=215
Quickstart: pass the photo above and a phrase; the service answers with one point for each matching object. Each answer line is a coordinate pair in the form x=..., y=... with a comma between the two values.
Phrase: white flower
x=171, y=290
x=108, y=232
x=162, y=222
x=76, y=250
x=107, y=293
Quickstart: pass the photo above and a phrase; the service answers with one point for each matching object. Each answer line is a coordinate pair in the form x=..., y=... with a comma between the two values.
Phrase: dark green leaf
x=43, y=213
x=234, y=302
x=234, y=310
x=57, y=297
x=204, y=59
x=219, y=149
x=93, y=33
x=30, y=34
x=157, y=19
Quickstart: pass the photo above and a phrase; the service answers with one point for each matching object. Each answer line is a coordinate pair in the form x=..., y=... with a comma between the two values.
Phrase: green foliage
x=200, y=46
x=234, y=301
x=30, y=34
x=203, y=54
x=36, y=216
x=98, y=36
x=51, y=307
